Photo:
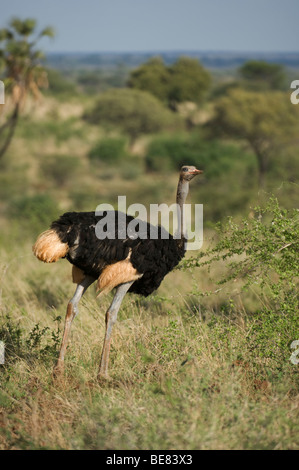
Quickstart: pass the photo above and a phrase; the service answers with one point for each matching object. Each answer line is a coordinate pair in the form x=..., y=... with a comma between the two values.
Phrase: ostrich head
x=187, y=173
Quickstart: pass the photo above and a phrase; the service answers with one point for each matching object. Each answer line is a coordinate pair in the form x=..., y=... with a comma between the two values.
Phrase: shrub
x=39, y=343
x=109, y=150
x=262, y=253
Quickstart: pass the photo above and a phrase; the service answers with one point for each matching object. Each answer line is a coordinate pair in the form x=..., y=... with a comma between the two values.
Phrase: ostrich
x=128, y=264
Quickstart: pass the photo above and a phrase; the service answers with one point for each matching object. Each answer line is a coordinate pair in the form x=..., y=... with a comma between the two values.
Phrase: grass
x=178, y=379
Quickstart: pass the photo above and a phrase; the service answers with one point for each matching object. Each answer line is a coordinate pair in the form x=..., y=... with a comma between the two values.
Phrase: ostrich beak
x=195, y=172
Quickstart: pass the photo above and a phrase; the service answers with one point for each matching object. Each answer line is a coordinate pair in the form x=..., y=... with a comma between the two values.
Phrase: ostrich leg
x=111, y=317
x=72, y=310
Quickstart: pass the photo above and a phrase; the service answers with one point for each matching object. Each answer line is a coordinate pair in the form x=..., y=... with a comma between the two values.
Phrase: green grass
x=179, y=378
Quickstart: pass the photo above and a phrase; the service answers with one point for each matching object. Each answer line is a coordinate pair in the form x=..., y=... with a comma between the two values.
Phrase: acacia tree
x=267, y=121
x=152, y=77
x=189, y=81
x=262, y=75
x=185, y=80
x=22, y=72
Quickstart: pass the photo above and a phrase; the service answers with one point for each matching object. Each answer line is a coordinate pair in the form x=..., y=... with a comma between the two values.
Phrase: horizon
x=209, y=59
x=174, y=51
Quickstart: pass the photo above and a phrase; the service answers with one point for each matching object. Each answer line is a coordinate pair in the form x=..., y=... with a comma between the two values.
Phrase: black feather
x=153, y=258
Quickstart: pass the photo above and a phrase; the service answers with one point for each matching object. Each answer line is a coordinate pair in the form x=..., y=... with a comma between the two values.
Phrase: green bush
x=109, y=150
x=262, y=254
x=39, y=343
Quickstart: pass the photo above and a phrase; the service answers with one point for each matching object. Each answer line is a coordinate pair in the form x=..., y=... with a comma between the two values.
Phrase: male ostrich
x=130, y=264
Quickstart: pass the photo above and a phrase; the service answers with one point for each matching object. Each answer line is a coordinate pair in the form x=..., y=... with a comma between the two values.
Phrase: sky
x=162, y=25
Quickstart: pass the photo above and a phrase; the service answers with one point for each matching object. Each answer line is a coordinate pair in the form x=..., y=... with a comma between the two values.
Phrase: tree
x=20, y=61
x=262, y=75
x=267, y=121
x=133, y=111
x=153, y=76
x=185, y=80
x=189, y=81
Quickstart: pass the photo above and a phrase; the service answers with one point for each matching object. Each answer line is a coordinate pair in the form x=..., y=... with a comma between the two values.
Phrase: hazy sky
x=161, y=25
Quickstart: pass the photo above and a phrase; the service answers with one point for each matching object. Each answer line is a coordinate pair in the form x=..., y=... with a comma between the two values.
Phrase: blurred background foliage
x=185, y=80
x=99, y=131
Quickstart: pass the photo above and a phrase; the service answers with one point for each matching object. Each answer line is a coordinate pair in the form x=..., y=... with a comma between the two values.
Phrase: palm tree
x=23, y=74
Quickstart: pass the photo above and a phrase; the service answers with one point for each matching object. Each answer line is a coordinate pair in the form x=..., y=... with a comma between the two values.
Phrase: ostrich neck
x=182, y=192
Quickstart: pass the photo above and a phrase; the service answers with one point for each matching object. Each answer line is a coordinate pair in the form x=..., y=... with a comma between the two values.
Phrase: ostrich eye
x=185, y=169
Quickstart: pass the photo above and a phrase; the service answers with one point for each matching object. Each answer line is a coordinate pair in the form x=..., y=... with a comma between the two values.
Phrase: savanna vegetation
x=205, y=362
